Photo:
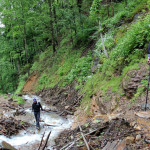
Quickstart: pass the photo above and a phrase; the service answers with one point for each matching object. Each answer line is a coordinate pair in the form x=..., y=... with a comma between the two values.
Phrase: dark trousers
x=37, y=118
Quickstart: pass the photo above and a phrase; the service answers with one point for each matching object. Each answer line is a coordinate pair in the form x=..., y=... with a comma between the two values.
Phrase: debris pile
x=65, y=100
x=11, y=126
x=19, y=112
x=100, y=136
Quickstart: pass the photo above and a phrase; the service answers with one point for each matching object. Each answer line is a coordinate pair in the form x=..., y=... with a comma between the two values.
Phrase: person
x=36, y=107
x=148, y=53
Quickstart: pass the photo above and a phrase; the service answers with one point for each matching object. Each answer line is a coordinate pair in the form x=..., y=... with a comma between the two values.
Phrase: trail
x=30, y=139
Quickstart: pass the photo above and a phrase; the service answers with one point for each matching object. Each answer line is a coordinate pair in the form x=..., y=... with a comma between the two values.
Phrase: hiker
x=149, y=54
x=36, y=106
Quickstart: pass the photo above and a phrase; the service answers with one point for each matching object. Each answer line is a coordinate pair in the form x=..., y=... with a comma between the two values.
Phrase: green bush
x=80, y=70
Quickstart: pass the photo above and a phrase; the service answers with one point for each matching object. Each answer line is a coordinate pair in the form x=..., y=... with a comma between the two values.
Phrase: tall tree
x=51, y=25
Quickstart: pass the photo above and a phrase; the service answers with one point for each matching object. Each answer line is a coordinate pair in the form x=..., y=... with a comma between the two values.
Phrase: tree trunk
x=112, y=8
x=25, y=36
x=75, y=27
x=18, y=66
x=51, y=25
x=126, y=3
x=55, y=19
x=107, y=8
x=79, y=4
x=102, y=40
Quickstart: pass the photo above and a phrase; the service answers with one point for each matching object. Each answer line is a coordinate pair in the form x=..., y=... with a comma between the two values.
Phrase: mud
x=30, y=83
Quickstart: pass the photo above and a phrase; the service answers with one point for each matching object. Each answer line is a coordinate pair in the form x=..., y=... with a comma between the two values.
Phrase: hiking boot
x=38, y=128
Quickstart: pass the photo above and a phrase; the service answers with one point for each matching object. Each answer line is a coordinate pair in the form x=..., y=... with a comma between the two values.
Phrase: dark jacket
x=36, y=107
x=149, y=49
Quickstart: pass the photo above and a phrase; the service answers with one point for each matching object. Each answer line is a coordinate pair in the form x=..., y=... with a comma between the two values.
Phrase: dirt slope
x=30, y=83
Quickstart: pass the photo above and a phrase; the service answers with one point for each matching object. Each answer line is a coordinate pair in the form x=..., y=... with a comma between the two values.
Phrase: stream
x=30, y=138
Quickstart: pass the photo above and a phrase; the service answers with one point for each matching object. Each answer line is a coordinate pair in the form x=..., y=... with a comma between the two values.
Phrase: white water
x=30, y=137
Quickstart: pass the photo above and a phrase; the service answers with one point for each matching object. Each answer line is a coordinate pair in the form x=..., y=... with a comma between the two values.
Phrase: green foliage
x=129, y=47
x=5, y=96
x=18, y=99
x=21, y=122
x=67, y=66
x=20, y=86
x=80, y=70
x=141, y=90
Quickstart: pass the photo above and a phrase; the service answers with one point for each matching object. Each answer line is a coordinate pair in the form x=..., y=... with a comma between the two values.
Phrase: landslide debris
x=110, y=135
x=10, y=126
x=63, y=99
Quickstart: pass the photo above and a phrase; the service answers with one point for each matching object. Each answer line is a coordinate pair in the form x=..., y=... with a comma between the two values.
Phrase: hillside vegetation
x=61, y=41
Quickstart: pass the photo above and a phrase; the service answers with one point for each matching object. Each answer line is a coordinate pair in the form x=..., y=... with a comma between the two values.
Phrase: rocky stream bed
x=18, y=126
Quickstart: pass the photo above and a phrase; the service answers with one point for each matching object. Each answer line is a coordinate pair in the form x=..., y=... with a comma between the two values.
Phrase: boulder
x=6, y=145
x=132, y=80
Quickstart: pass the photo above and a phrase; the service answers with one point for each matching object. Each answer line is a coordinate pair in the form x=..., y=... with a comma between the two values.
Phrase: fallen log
x=83, y=137
x=50, y=125
x=11, y=126
x=41, y=141
x=46, y=141
x=77, y=139
x=111, y=126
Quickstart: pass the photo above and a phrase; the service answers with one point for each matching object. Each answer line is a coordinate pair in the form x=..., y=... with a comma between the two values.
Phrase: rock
x=94, y=68
x=137, y=127
x=129, y=139
x=147, y=140
x=113, y=116
x=132, y=80
x=10, y=100
x=138, y=137
x=66, y=107
x=132, y=124
x=7, y=146
x=19, y=94
x=144, y=114
x=71, y=137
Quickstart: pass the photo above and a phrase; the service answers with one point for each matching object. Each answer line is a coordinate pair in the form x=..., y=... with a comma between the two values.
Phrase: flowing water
x=30, y=139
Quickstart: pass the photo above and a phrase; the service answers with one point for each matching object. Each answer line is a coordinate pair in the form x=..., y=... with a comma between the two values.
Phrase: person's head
x=34, y=100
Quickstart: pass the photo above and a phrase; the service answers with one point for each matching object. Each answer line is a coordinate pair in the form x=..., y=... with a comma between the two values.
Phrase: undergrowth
x=126, y=38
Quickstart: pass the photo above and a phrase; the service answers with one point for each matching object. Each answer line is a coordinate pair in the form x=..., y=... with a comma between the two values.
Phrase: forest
x=32, y=27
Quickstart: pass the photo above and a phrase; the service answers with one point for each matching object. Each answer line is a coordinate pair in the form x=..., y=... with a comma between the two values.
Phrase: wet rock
x=7, y=146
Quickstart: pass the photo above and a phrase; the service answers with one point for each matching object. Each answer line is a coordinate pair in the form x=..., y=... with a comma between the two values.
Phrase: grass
x=19, y=99
x=5, y=96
